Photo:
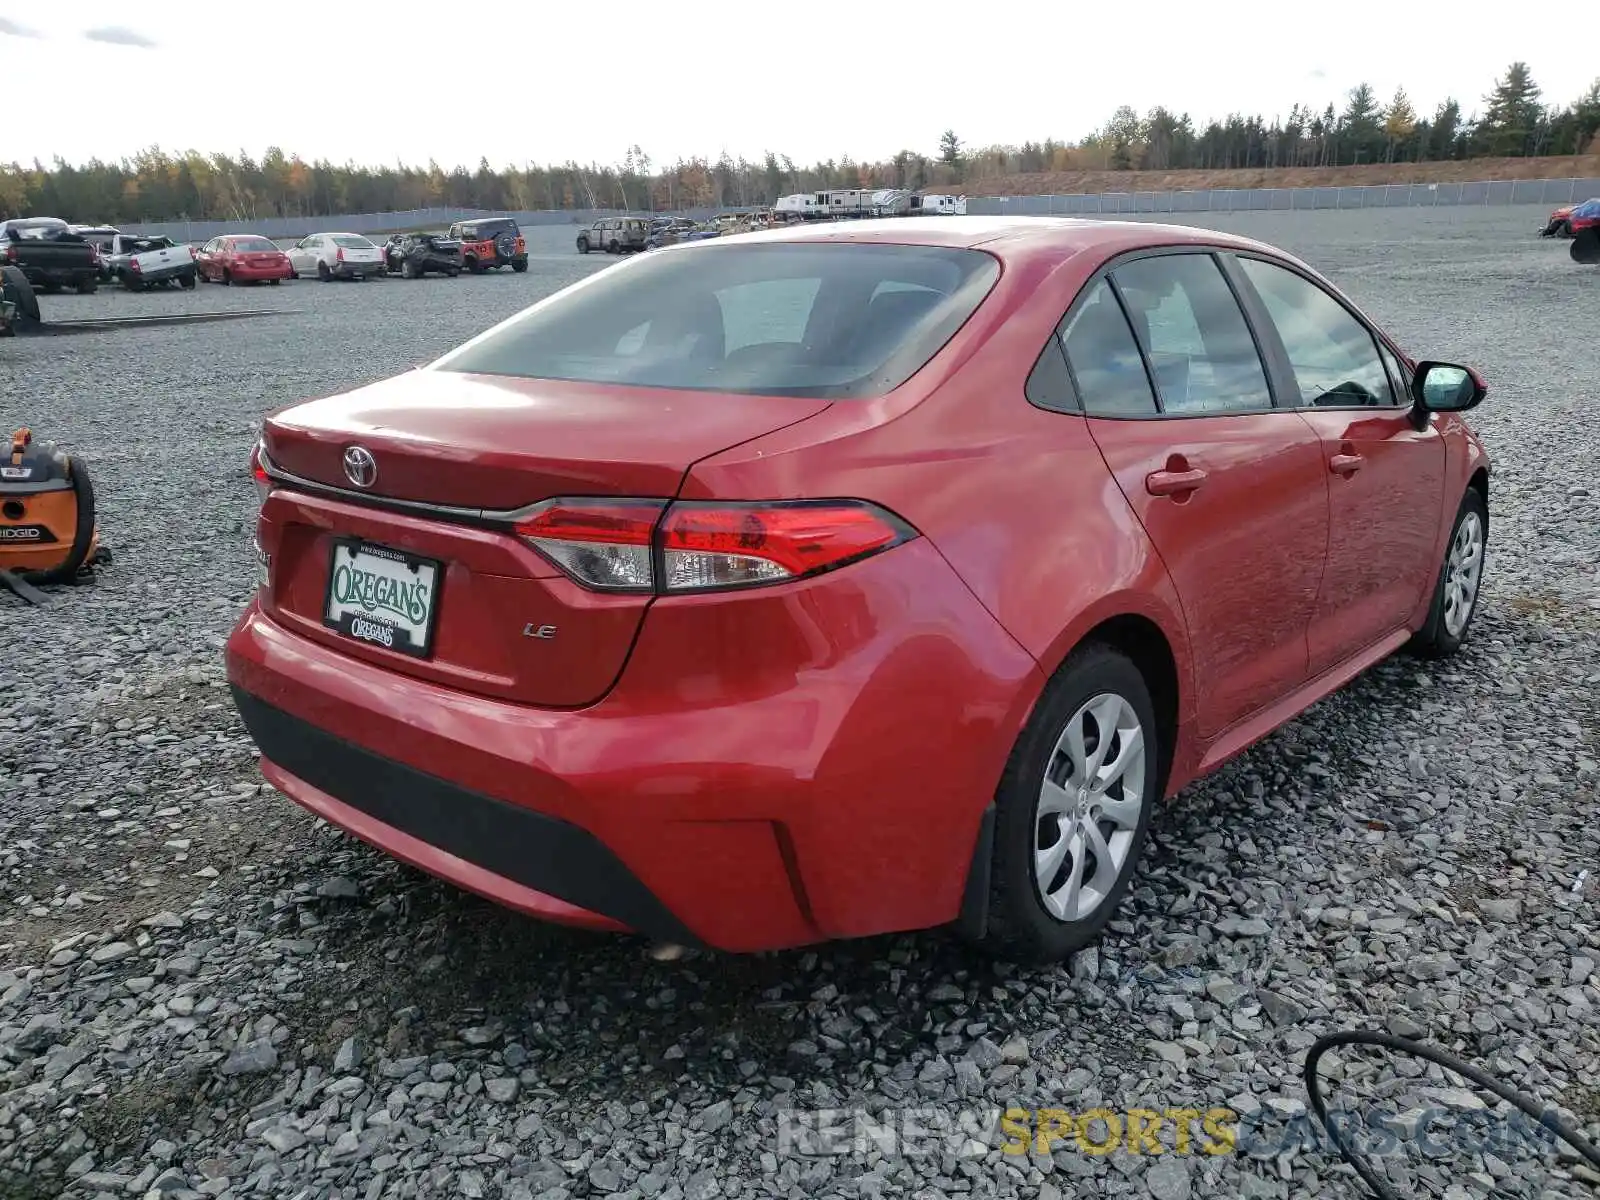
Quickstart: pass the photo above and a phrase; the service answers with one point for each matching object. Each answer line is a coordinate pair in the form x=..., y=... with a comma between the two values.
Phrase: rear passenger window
x=1105, y=362
x=1201, y=352
x=1334, y=356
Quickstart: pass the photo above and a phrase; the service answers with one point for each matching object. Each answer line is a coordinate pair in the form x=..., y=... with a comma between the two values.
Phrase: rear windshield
x=254, y=245
x=351, y=242
x=486, y=229
x=833, y=321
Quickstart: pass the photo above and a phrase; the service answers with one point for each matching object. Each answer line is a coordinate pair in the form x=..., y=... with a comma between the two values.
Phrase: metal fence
x=291, y=228
x=1379, y=195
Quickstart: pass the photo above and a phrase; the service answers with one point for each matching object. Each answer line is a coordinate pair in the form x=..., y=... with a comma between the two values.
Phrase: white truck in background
x=146, y=262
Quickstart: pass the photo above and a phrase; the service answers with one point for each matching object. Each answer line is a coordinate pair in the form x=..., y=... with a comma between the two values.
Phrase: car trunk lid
x=451, y=451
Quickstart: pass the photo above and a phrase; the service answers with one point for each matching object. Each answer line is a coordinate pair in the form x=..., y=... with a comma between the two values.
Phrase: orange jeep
x=489, y=242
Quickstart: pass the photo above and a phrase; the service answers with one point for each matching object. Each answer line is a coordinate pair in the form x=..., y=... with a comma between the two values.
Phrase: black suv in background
x=415, y=254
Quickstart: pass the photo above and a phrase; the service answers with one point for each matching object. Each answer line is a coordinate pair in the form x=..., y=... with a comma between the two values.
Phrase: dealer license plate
x=382, y=596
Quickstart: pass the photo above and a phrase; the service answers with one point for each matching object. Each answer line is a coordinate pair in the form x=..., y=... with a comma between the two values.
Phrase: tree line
x=157, y=185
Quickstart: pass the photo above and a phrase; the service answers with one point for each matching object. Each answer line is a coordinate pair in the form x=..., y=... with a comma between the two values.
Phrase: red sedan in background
x=242, y=258
x=847, y=579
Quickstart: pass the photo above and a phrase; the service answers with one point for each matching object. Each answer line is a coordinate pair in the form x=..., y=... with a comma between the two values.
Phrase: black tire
x=274, y=282
x=227, y=278
x=1436, y=639
x=49, y=287
x=453, y=272
x=87, y=287
x=1586, y=246
x=16, y=288
x=519, y=265
x=613, y=248
x=186, y=282
x=323, y=273
x=1564, y=229
x=1019, y=927
x=132, y=282
x=407, y=270
x=583, y=244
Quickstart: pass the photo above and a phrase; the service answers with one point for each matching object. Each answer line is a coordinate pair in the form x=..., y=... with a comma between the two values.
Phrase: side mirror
x=1446, y=387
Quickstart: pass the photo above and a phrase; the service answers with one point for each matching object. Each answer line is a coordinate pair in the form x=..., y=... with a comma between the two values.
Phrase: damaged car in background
x=412, y=255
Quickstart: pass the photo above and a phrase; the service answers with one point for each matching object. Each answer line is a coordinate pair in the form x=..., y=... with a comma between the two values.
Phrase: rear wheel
x=1455, y=593
x=275, y=282
x=88, y=286
x=1073, y=809
x=612, y=248
x=323, y=273
x=519, y=265
x=407, y=271
x=186, y=281
x=453, y=272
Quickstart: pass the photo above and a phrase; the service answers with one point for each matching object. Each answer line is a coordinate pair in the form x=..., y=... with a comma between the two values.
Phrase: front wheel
x=1073, y=809
x=583, y=245
x=1455, y=593
x=323, y=273
x=407, y=270
x=227, y=277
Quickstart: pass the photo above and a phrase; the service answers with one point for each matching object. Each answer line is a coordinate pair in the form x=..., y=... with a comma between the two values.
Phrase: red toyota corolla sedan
x=242, y=258
x=846, y=579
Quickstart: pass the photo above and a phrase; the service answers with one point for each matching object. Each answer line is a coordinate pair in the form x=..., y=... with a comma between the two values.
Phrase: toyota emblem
x=360, y=468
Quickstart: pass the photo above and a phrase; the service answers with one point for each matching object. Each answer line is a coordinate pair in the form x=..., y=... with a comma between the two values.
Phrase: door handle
x=1173, y=483
x=1345, y=464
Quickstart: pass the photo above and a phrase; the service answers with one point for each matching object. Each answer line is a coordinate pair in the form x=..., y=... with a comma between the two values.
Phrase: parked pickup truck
x=51, y=256
x=145, y=262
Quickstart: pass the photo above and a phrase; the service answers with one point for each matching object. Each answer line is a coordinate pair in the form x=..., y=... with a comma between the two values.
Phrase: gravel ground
x=204, y=992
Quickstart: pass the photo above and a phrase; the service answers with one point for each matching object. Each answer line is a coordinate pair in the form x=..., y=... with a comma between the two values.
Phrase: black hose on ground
x=1543, y=1114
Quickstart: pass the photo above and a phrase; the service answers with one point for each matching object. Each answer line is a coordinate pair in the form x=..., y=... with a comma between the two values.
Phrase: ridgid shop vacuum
x=47, y=520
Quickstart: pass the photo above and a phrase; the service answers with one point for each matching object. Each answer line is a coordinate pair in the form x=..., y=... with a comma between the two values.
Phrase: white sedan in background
x=336, y=256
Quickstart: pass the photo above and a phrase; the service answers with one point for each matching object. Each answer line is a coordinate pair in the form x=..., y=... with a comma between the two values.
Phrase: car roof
x=1013, y=238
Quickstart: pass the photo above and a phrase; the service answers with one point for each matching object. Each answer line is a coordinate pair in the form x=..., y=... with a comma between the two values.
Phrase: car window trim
x=1105, y=271
x=1402, y=398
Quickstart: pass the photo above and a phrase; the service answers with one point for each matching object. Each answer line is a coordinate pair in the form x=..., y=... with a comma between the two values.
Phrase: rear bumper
x=163, y=274
x=351, y=270
x=818, y=772
x=506, y=852
x=247, y=274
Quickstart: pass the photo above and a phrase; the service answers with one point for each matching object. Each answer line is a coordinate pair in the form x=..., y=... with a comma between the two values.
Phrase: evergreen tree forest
x=1512, y=120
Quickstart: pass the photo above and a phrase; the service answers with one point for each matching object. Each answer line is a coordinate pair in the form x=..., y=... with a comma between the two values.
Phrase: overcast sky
x=375, y=82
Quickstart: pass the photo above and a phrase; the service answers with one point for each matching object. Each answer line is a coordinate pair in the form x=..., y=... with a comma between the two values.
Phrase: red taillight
x=601, y=545
x=339, y=257
x=259, y=473
x=706, y=546
x=11, y=254
x=133, y=265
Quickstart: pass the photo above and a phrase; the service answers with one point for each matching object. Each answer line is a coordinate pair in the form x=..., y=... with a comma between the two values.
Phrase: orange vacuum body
x=47, y=519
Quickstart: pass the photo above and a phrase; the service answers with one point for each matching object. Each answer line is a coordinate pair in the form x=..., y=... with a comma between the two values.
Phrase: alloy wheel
x=1463, y=572
x=1089, y=807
